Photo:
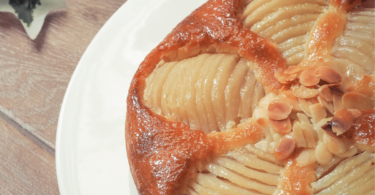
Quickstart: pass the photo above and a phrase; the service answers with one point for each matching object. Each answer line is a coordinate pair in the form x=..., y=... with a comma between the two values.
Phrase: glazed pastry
x=258, y=97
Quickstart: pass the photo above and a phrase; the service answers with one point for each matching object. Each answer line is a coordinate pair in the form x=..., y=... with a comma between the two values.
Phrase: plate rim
x=62, y=185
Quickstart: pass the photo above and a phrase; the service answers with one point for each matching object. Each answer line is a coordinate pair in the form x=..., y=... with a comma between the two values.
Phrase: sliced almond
x=288, y=96
x=357, y=101
x=335, y=89
x=284, y=148
x=305, y=106
x=309, y=78
x=278, y=110
x=287, y=78
x=328, y=74
x=326, y=93
x=290, y=77
x=314, y=100
x=318, y=112
x=325, y=104
x=309, y=136
x=304, y=92
x=342, y=121
x=260, y=115
x=279, y=75
x=306, y=157
x=334, y=144
x=282, y=126
x=337, y=103
x=298, y=135
x=323, y=155
x=292, y=70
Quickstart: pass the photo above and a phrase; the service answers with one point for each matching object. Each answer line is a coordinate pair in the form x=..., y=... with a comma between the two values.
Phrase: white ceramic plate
x=90, y=143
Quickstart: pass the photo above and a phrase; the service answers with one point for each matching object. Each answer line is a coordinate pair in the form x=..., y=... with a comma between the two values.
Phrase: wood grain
x=34, y=74
x=25, y=168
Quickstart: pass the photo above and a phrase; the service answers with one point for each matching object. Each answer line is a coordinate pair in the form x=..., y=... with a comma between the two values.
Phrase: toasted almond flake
x=287, y=78
x=260, y=115
x=309, y=135
x=303, y=118
x=326, y=93
x=327, y=126
x=309, y=78
x=284, y=148
x=298, y=135
x=323, y=155
x=279, y=75
x=278, y=110
x=306, y=157
x=292, y=70
x=305, y=106
x=304, y=92
x=323, y=125
x=290, y=77
x=328, y=74
x=342, y=121
x=314, y=100
x=337, y=103
x=335, y=90
x=333, y=143
x=282, y=126
x=357, y=101
x=325, y=104
x=318, y=112
x=356, y=113
x=288, y=96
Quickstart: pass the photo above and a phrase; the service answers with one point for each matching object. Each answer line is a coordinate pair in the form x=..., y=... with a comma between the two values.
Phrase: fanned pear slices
x=353, y=54
x=209, y=92
x=288, y=23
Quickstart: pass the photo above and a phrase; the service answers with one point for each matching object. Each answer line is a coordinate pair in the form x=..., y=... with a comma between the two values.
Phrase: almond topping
x=357, y=101
x=328, y=106
x=292, y=70
x=334, y=144
x=288, y=96
x=337, y=102
x=306, y=157
x=284, y=78
x=318, y=112
x=287, y=78
x=342, y=121
x=326, y=93
x=308, y=78
x=279, y=74
x=278, y=110
x=323, y=155
x=328, y=74
x=335, y=90
x=304, y=92
x=284, y=148
x=305, y=106
x=282, y=126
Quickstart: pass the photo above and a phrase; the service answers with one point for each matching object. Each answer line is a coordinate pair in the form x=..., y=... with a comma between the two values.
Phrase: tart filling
x=218, y=109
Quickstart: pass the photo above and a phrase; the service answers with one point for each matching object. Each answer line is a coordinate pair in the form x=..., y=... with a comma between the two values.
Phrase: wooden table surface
x=34, y=75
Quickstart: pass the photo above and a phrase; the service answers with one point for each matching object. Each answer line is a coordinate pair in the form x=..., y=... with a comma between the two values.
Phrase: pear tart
x=258, y=97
